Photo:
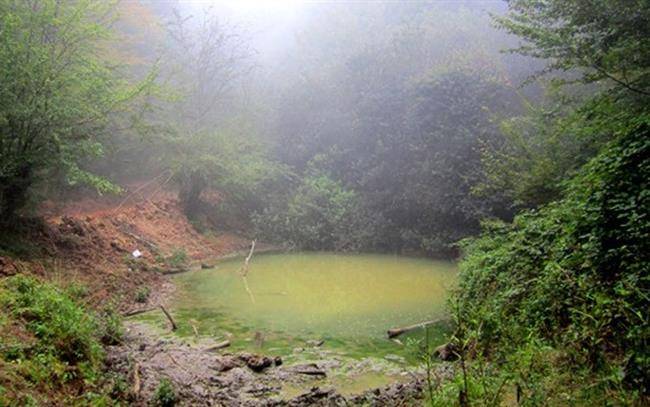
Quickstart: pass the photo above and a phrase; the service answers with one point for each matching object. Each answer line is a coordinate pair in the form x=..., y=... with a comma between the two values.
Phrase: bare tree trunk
x=190, y=193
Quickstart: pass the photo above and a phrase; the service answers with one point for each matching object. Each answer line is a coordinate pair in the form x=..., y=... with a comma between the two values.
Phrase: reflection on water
x=347, y=300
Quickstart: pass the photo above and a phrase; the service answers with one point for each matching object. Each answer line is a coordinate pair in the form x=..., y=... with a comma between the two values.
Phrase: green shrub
x=64, y=329
x=165, y=395
x=142, y=295
x=178, y=258
x=321, y=215
x=110, y=326
x=570, y=279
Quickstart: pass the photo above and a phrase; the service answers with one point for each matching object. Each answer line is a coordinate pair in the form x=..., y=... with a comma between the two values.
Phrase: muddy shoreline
x=204, y=377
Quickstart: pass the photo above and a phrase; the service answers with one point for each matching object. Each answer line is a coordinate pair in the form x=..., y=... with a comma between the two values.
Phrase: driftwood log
x=395, y=332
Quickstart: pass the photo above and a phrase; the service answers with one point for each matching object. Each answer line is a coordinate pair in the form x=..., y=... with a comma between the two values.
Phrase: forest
x=470, y=177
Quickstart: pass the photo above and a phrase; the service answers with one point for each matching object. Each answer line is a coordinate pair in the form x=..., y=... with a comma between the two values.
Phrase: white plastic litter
x=137, y=253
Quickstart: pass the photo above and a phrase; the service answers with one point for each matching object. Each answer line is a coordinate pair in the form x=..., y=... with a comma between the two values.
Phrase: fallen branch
x=248, y=290
x=137, y=312
x=169, y=317
x=218, y=346
x=150, y=245
x=310, y=369
x=395, y=332
x=136, y=380
x=244, y=269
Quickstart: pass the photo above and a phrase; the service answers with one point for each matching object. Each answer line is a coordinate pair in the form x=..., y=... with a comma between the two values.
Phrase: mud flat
x=203, y=376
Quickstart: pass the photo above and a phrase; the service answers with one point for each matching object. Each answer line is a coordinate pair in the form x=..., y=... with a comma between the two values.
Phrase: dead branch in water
x=169, y=317
x=394, y=332
x=243, y=271
x=248, y=290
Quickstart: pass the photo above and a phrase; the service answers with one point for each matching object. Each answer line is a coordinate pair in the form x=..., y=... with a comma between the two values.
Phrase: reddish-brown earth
x=91, y=242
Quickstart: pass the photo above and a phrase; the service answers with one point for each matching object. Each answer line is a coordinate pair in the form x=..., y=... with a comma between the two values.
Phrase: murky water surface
x=287, y=301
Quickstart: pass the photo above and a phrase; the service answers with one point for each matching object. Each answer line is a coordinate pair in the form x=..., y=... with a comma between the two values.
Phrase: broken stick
x=136, y=380
x=169, y=317
x=218, y=346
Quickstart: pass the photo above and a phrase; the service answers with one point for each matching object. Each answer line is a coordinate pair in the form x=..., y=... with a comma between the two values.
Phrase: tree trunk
x=190, y=193
x=14, y=193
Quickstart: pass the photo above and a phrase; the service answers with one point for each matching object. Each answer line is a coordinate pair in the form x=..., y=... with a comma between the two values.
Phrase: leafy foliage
x=572, y=275
x=165, y=396
x=48, y=341
x=320, y=215
x=57, y=106
x=604, y=39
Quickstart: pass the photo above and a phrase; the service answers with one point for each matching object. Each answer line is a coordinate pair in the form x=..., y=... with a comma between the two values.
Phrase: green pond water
x=348, y=301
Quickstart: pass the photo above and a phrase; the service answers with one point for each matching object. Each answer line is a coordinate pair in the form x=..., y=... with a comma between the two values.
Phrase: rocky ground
x=202, y=376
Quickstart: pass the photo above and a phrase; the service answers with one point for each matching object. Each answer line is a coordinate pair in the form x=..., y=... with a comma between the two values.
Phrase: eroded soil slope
x=91, y=243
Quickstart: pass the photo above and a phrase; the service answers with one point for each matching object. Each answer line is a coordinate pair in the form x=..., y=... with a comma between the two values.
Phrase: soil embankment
x=91, y=243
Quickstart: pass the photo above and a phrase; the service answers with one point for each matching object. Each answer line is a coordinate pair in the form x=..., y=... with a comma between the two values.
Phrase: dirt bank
x=91, y=243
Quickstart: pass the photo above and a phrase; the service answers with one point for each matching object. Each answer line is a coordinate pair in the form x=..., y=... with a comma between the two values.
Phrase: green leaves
x=603, y=40
x=59, y=97
x=573, y=274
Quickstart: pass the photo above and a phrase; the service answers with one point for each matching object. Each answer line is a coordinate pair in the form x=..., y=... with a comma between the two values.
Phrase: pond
x=290, y=301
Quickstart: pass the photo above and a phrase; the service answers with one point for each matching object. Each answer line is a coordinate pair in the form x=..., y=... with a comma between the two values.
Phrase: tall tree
x=59, y=94
x=604, y=39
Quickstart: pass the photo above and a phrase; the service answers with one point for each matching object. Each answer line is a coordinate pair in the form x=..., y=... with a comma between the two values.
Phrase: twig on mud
x=137, y=312
x=136, y=380
x=218, y=346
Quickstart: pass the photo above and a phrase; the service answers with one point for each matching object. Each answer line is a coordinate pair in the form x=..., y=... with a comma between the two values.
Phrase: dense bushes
x=320, y=215
x=568, y=284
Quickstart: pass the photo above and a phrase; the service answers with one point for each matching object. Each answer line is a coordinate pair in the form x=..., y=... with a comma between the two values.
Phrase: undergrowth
x=552, y=309
x=50, y=346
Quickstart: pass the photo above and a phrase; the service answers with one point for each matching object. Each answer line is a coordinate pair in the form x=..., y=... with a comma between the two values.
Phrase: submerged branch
x=395, y=332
